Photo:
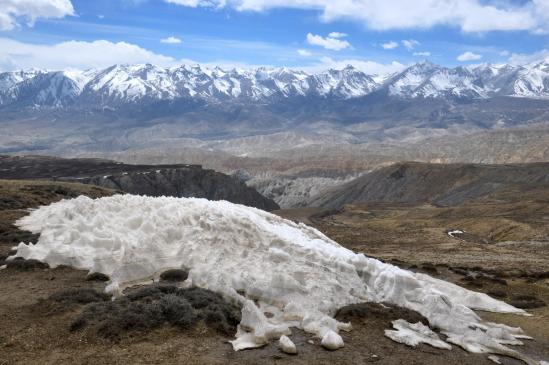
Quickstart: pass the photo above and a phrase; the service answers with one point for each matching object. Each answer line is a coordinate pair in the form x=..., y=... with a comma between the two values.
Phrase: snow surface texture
x=271, y=265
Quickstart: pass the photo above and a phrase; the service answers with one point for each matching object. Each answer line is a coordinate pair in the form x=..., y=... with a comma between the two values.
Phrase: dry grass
x=503, y=232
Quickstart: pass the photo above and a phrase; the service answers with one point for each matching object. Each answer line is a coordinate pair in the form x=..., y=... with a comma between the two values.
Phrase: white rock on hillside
x=286, y=345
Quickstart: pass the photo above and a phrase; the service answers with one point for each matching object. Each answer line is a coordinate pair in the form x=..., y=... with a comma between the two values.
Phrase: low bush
x=153, y=306
x=79, y=296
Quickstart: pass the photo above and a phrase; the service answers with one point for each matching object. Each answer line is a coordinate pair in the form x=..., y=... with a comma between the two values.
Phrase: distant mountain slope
x=155, y=180
x=293, y=191
x=439, y=184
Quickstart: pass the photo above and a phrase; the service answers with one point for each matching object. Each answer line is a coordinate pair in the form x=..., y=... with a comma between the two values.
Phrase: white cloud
x=522, y=58
x=189, y=3
x=390, y=45
x=505, y=53
x=11, y=11
x=467, y=15
x=469, y=56
x=170, y=40
x=331, y=43
x=197, y=3
x=367, y=66
x=304, y=52
x=422, y=54
x=75, y=54
x=410, y=44
x=102, y=53
x=337, y=35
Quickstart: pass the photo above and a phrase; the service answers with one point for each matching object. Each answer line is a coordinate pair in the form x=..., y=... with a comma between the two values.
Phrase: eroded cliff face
x=184, y=182
x=178, y=180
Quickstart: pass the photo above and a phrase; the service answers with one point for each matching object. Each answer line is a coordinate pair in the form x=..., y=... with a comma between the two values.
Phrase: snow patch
x=292, y=271
x=412, y=334
x=454, y=232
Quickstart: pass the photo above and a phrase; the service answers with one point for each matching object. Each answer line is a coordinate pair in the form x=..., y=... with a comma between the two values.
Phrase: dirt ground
x=509, y=237
x=34, y=332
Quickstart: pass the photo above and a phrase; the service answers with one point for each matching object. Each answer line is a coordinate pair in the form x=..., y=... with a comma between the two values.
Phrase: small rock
x=174, y=275
x=97, y=276
x=332, y=341
x=311, y=342
x=286, y=345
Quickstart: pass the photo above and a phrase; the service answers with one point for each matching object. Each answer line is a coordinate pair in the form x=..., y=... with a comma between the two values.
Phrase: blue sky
x=300, y=33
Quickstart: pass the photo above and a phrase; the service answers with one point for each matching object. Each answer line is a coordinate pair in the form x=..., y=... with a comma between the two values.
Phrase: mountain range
x=130, y=84
x=279, y=119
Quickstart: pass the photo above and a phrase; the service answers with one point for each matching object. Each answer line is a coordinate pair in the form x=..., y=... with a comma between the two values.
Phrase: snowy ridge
x=291, y=271
x=429, y=80
x=133, y=83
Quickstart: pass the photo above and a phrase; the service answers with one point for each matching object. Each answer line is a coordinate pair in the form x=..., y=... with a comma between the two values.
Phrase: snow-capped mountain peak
x=128, y=83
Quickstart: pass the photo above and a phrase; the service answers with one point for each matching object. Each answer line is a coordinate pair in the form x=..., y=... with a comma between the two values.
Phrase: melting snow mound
x=271, y=265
